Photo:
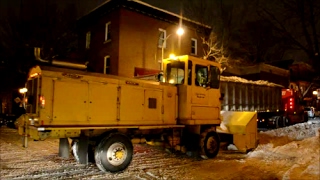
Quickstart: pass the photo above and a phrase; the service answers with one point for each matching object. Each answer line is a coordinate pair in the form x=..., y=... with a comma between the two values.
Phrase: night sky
x=8, y=6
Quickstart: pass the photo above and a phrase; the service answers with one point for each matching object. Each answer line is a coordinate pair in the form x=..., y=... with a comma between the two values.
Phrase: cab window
x=175, y=72
x=201, y=75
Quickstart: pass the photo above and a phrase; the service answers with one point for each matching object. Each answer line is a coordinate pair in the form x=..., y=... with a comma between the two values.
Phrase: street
x=40, y=161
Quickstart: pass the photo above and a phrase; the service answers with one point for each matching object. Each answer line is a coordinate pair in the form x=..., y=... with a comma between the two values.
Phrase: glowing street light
x=23, y=90
x=179, y=32
x=315, y=92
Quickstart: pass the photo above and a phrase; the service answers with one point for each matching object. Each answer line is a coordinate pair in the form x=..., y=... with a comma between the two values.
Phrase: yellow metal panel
x=237, y=122
x=153, y=114
x=70, y=102
x=199, y=122
x=103, y=103
x=199, y=95
x=243, y=126
x=170, y=105
x=202, y=112
x=131, y=105
x=184, y=109
x=47, y=93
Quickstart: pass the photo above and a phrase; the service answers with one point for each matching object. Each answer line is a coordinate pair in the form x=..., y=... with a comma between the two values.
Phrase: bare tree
x=298, y=22
x=226, y=19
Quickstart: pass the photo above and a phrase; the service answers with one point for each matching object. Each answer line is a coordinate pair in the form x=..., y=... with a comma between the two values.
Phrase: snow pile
x=292, y=151
x=242, y=80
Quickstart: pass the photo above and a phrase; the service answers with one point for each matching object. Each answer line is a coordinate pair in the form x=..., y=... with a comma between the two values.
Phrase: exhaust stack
x=37, y=54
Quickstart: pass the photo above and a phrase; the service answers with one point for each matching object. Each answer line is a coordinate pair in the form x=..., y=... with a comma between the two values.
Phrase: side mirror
x=221, y=96
x=160, y=77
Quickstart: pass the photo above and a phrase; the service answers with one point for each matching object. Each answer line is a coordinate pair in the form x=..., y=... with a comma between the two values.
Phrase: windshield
x=31, y=95
x=175, y=72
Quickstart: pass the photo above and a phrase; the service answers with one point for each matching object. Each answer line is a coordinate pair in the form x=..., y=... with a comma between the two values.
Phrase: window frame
x=105, y=64
x=106, y=32
x=88, y=39
x=163, y=39
x=195, y=47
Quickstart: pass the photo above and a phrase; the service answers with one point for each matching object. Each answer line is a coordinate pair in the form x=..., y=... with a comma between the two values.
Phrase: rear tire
x=285, y=121
x=114, y=153
x=75, y=150
x=210, y=144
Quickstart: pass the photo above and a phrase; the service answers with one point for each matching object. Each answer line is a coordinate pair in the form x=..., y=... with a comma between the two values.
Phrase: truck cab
x=198, y=83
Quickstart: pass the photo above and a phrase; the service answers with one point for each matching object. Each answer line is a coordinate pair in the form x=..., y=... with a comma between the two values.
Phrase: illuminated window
x=162, y=37
x=88, y=39
x=107, y=32
x=193, y=46
x=201, y=75
x=106, y=66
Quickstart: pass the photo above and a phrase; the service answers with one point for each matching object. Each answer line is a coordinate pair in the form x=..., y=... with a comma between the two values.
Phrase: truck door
x=205, y=96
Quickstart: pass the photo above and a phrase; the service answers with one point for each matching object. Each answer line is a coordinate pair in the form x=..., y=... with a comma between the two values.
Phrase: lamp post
x=179, y=32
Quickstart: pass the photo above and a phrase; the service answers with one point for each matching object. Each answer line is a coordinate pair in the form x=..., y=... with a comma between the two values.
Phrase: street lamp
x=315, y=92
x=179, y=32
x=23, y=90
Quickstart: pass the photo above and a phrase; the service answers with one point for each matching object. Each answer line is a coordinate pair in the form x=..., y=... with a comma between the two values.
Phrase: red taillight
x=291, y=104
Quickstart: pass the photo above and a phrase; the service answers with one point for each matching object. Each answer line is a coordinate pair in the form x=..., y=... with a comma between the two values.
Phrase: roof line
x=153, y=7
x=171, y=13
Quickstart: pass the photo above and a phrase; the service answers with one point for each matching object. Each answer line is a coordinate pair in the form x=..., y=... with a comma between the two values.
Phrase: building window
x=88, y=39
x=107, y=32
x=106, y=65
x=193, y=46
x=162, y=38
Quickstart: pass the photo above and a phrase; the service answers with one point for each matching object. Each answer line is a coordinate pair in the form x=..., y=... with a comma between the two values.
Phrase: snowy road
x=40, y=161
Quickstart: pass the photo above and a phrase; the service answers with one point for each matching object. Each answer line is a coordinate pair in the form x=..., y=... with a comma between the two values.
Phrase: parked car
x=310, y=111
x=10, y=119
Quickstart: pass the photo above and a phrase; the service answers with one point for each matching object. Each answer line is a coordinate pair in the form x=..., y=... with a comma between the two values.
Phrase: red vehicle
x=293, y=107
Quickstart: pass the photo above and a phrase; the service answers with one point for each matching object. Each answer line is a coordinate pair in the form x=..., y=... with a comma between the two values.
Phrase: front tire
x=210, y=144
x=114, y=153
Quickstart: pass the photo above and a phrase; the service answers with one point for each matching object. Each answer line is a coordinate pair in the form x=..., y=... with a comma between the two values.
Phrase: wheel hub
x=119, y=154
x=211, y=144
x=116, y=154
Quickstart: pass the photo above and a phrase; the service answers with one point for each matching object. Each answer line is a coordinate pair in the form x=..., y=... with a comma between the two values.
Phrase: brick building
x=121, y=37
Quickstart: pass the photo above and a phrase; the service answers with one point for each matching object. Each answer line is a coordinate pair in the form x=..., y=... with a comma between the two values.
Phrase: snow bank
x=242, y=80
x=295, y=149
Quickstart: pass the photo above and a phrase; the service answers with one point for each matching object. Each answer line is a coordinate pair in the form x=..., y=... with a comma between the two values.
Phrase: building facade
x=122, y=36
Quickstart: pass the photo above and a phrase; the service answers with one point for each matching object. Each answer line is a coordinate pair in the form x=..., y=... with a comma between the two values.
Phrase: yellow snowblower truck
x=102, y=113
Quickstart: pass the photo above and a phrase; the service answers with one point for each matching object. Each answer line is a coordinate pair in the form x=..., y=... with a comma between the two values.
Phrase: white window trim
x=88, y=39
x=195, y=47
x=164, y=44
x=106, y=38
x=105, y=64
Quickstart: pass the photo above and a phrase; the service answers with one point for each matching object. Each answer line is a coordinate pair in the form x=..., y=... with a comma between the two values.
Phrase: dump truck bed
x=245, y=95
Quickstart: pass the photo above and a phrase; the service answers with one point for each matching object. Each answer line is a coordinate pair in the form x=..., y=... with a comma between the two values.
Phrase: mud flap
x=64, y=148
x=83, y=149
